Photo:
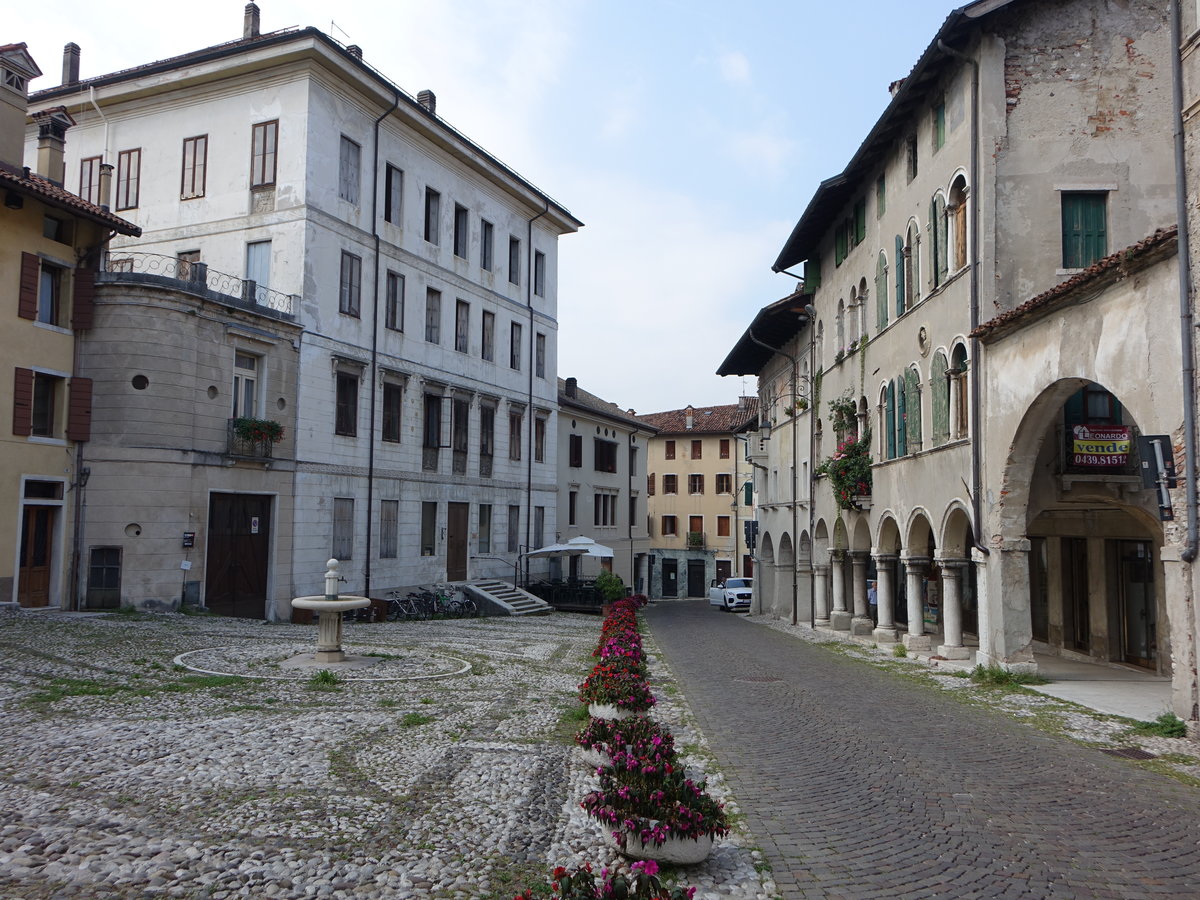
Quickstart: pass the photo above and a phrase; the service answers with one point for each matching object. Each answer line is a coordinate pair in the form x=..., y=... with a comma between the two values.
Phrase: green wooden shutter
x=912, y=406
x=839, y=245
x=812, y=273
x=1084, y=229
x=748, y=493
x=941, y=240
x=940, y=386
x=890, y=419
x=901, y=418
x=899, y=267
x=881, y=293
x=860, y=221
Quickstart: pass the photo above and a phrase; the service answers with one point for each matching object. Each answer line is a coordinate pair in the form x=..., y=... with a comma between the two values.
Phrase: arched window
x=882, y=432
x=939, y=386
x=881, y=292
x=957, y=210
x=864, y=422
x=912, y=265
x=912, y=409
x=841, y=326
x=901, y=279
x=939, y=253
x=860, y=314
x=901, y=418
x=852, y=316
x=819, y=362
x=959, y=411
x=890, y=423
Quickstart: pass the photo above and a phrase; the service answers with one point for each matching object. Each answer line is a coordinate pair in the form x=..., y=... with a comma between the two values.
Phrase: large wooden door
x=457, y=524
x=37, y=552
x=695, y=578
x=239, y=549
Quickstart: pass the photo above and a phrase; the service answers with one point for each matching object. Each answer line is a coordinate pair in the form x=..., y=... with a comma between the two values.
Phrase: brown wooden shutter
x=83, y=299
x=79, y=409
x=27, y=303
x=23, y=402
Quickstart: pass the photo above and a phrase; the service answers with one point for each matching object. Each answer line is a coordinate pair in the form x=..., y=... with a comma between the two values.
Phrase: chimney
x=572, y=387
x=250, y=24
x=70, y=64
x=52, y=132
x=355, y=51
x=428, y=100
x=894, y=87
x=106, y=172
x=688, y=417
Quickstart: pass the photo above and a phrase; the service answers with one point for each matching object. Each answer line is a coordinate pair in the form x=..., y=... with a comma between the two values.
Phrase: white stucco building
x=421, y=270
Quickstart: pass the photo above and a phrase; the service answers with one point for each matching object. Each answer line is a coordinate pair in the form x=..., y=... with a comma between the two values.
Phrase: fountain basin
x=329, y=623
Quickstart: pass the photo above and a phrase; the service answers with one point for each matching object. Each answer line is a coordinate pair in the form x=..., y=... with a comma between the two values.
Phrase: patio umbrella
x=556, y=550
x=586, y=546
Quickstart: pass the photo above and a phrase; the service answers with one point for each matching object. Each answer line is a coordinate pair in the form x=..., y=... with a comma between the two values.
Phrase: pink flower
x=649, y=867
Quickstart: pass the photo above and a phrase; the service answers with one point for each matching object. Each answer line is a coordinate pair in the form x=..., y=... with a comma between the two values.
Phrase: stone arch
x=860, y=538
x=841, y=540
x=888, y=539
x=821, y=543
x=919, y=538
x=764, y=577
x=957, y=535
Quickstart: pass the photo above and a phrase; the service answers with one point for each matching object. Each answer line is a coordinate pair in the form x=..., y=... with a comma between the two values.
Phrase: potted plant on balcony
x=258, y=431
x=849, y=471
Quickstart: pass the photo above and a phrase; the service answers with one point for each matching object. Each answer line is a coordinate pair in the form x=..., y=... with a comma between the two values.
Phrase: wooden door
x=695, y=578
x=37, y=551
x=670, y=578
x=457, y=524
x=239, y=548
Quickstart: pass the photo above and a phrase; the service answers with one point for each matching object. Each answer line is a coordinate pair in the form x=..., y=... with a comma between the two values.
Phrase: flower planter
x=594, y=758
x=609, y=711
x=678, y=851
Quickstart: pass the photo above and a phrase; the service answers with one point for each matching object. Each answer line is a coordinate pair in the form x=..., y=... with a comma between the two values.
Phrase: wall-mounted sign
x=254, y=524
x=189, y=539
x=1100, y=446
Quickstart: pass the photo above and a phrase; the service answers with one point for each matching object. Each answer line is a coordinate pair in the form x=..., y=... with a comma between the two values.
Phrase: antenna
x=333, y=25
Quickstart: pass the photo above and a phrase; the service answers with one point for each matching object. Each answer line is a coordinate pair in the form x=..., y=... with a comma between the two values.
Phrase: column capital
x=821, y=569
x=837, y=555
x=950, y=562
x=884, y=557
x=859, y=557
x=914, y=562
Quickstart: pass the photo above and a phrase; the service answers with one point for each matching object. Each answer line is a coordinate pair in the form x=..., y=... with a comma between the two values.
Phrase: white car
x=732, y=593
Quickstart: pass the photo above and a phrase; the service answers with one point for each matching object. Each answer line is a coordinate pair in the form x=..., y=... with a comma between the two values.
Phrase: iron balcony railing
x=695, y=540
x=196, y=277
x=247, y=448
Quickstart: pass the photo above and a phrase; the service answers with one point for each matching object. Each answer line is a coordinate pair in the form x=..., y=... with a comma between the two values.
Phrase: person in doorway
x=873, y=600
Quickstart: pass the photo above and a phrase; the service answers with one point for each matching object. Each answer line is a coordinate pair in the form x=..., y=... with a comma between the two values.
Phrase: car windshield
x=739, y=582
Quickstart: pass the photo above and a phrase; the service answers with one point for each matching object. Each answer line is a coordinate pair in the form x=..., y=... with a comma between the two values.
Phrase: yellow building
x=50, y=244
x=696, y=472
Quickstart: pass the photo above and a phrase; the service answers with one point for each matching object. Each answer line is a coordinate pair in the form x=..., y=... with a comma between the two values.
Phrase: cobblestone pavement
x=858, y=783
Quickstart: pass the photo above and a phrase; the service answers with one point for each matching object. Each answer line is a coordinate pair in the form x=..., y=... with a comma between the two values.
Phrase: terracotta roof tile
x=591, y=403
x=706, y=419
x=26, y=182
x=1110, y=267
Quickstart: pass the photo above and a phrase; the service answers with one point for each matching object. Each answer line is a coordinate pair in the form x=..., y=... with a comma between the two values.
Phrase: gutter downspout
x=532, y=361
x=973, y=360
x=374, y=370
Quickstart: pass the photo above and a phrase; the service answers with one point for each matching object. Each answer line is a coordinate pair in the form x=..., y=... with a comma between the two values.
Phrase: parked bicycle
x=409, y=606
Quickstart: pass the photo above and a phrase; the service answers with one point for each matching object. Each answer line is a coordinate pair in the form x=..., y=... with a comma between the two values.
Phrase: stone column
x=861, y=623
x=916, y=639
x=952, y=648
x=840, y=619
x=1005, y=631
x=821, y=574
x=885, y=631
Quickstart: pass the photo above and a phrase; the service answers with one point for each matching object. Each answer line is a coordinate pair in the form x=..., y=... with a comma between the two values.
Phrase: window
x=957, y=209
x=939, y=125
x=604, y=509
x=670, y=484
x=343, y=528
x=881, y=292
x=669, y=450
x=539, y=356
x=433, y=214
x=858, y=233
x=486, y=245
x=346, y=417
x=515, y=422
x=393, y=195
x=697, y=449
x=245, y=385
x=670, y=525
x=539, y=525
x=488, y=342
x=724, y=483
x=394, y=313
x=195, y=164
x=50, y=294
x=349, y=165
x=604, y=455
x=44, y=393
x=633, y=458
x=462, y=324
x=129, y=175
x=958, y=365
x=572, y=506
x=389, y=521
x=880, y=196
x=460, y=420
x=695, y=484
x=650, y=484
x=901, y=260
x=1084, y=228
x=431, y=433
x=939, y=230
x=575, y=451
x=539, y=273
x=487, y=439
x=258, y=268
x=485, y=528
x=911, y=156
x=350, y=285
x=539, y=439
x=89, y=179
x=514, y=260
x=514, y=346
x=724, y=448
x=433, y=316
x=514, y=529
x=104, y=578
x=393, y=405
x=722, y=526
x=461, y=231
x=185, y=264
x=429, y=513
x=263, y=144
x=939, y=383
x=695, y=527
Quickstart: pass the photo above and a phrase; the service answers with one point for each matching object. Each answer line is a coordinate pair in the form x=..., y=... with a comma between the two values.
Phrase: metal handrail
x=198, y=276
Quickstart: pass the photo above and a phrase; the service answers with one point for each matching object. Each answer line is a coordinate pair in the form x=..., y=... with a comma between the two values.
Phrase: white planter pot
x=594, y=758
x=609, y=711
x=679, y=851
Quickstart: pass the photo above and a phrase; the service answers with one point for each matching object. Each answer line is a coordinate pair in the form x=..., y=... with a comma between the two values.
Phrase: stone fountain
x=329, y=611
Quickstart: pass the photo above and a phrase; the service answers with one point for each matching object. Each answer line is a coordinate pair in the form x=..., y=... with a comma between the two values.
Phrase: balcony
x=695, y=540
x=125, y=267
x=245, y=441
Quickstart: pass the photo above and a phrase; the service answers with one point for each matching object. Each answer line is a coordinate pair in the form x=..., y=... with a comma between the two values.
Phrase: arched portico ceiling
x=787, y=555
x=889, y=535
x=861, y=535
x=841, y=540
x=957, y=537
x=766, y=548
x=920, y=540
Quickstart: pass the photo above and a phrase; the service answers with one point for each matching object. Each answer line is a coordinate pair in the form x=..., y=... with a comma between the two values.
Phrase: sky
x=687, y=135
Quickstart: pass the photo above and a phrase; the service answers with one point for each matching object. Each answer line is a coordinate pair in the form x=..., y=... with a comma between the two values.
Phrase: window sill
x=57, y=329
x=48, y=441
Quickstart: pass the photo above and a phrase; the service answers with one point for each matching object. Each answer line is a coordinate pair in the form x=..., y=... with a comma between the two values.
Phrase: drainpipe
x=530, y=363
x=629, y=528
x=374, y=370
x=973, y=231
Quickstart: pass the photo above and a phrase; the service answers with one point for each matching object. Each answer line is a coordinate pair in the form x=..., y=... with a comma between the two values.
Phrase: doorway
x=457, y=518
x=37, y=543
x=724, y=568
x=1077, y=632
x=1137, y=604
x=239, y=550
x=695, y=578
x=670, y=578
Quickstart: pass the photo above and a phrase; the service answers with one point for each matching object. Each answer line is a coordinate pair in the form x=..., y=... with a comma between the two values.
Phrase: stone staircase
x=506, y=599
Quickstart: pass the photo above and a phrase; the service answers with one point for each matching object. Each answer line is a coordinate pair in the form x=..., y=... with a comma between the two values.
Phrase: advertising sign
x=1100, y=446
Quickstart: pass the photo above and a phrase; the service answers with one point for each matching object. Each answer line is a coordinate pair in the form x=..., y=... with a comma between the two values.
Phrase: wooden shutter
x=22, y=402
x=941, y=231
x=83, y=299
x=27, y=303
x=79, y=409
x=899, y=276
x=890, y=417
x=940, y=385
x=901, y=418
x=881, y=304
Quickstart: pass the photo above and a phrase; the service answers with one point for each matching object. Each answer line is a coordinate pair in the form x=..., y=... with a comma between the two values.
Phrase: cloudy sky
x=688, y=135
